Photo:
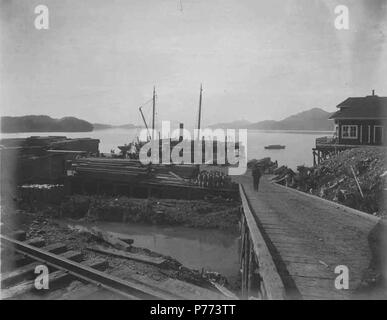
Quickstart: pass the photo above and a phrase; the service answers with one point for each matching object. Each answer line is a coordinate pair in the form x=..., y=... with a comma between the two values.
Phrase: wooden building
x=359, y=121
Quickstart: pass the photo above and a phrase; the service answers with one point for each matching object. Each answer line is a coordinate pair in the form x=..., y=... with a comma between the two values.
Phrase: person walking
x=256, y=177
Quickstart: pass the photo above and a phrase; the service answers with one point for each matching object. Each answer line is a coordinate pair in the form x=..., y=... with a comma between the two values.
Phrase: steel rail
x=126, y=288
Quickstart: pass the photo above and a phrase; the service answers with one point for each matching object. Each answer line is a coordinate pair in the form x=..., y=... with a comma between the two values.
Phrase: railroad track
x=20, y=258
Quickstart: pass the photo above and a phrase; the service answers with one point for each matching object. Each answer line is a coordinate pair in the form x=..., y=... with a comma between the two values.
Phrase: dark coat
x=257, y=173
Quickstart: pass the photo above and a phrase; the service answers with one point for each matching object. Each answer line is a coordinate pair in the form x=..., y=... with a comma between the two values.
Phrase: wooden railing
x=260, y=278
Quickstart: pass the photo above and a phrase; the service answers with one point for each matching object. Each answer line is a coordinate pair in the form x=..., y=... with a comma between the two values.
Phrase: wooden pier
x=327, y=147
x=292, y=243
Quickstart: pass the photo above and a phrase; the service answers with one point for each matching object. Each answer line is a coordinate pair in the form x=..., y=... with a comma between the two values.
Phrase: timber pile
x=31, y=141
x=44, y=143
x=170, y=179
x=93, y=167
x=50, y=193
x=185, y=171
x=354, y=178
x=111, y=168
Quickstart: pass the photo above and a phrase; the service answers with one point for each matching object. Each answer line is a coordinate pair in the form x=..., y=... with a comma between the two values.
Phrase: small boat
x=274, y=146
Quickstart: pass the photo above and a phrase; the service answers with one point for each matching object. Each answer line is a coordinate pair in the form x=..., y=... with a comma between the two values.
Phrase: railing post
x=251, y=280
x=245, y=266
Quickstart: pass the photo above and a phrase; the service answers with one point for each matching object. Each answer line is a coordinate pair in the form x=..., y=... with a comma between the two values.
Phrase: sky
x=256, y=59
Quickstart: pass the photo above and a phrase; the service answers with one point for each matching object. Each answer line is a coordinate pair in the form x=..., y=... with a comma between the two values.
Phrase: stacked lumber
x=109, y=167
x=132, y=169
x=167, y=179
x=186, y=171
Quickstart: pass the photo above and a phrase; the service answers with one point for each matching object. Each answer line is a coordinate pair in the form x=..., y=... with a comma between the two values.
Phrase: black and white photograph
x=206, y=150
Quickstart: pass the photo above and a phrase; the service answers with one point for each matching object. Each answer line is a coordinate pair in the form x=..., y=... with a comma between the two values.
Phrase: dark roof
x=370, y=107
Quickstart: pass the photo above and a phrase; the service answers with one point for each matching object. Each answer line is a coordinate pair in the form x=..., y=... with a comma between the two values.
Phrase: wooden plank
x=227, y=293
x=12, y=277
x=18, y=235
x=182, y=289
x=158, y=261
x=56, y=278
x=357, y=182
x=323, y=293
x=310, y=270
x=83, y=292
x=73, y=255
x=27, y=271
x=124, y=237
x=36, y=242
x=190, y=291
x=273, y=283
x=18, y=260
x=56, y=248
x=109, y=238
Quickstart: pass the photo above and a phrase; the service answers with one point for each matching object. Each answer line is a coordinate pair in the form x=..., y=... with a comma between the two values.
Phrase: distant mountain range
x=315, y=119
x=43, y=123
x=102, y=126
x=237, y=124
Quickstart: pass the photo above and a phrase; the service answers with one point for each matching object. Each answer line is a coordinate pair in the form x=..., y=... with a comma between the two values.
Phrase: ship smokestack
x=181, y=132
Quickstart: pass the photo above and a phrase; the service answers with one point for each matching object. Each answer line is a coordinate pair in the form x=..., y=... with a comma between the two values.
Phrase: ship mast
x=200, y=110
x=153, y=111
x=146, y=126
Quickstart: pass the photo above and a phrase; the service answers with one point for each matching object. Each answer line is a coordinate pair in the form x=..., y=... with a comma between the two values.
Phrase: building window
x=349, y=132
x=336, y=131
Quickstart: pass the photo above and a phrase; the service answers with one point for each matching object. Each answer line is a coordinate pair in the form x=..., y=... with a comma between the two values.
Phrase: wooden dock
x=305, y=239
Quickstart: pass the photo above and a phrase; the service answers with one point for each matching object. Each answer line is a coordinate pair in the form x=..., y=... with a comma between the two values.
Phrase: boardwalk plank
x=305, y=233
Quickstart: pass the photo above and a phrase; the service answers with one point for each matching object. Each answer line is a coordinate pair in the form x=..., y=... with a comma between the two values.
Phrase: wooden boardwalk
x=308, y=237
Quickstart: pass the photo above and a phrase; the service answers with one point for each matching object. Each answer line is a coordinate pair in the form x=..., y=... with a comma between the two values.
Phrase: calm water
x=298, y=145
x=213, y=250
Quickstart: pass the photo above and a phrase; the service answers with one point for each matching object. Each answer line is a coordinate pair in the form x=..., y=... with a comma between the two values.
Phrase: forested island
x=42, y=123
